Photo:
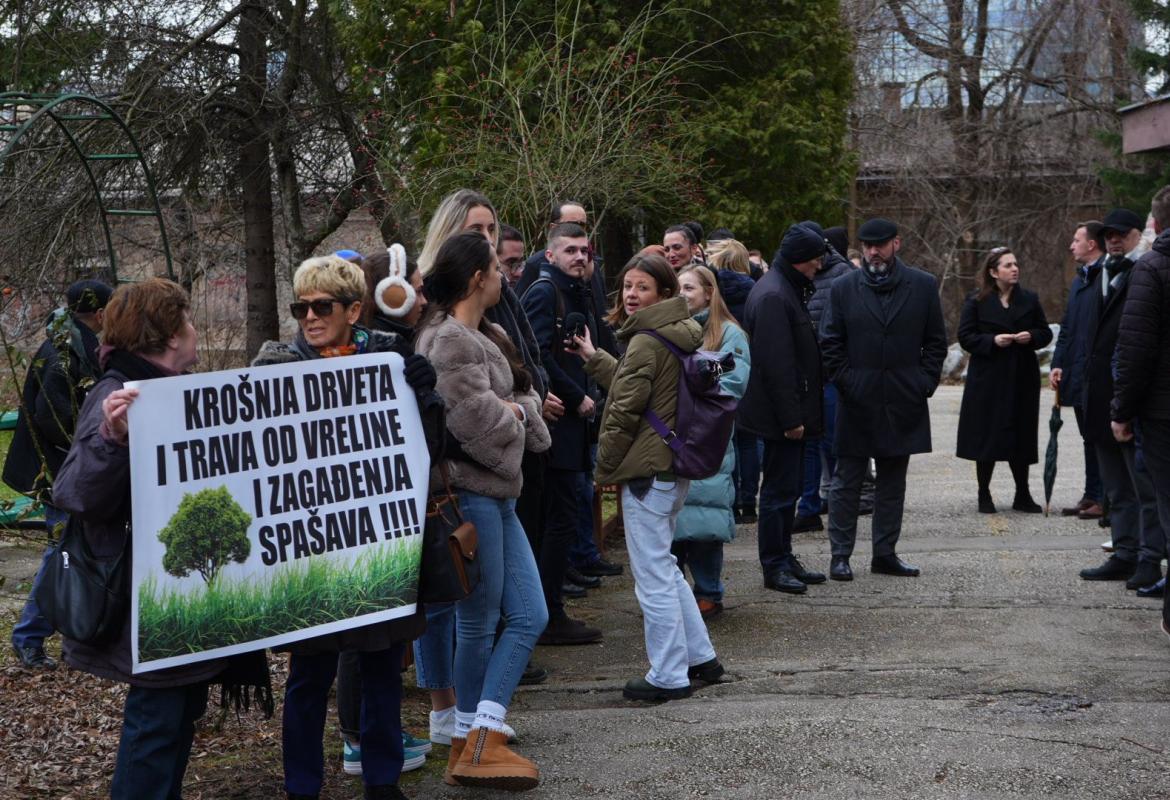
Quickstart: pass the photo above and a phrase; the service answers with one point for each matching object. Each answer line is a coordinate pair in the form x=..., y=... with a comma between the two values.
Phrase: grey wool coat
x=475, y=381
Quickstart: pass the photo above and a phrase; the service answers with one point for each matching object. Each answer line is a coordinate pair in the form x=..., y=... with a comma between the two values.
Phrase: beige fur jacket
x=474, y=382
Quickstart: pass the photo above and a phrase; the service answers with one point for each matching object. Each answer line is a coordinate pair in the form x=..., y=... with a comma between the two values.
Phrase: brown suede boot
x=487, y=761
x=457, y=746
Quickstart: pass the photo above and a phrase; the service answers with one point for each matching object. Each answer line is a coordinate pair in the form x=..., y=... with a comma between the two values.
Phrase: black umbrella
x=1054, y=425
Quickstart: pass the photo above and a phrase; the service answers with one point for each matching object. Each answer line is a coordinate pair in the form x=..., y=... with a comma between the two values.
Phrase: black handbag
x=448, y=570
x=83, y=597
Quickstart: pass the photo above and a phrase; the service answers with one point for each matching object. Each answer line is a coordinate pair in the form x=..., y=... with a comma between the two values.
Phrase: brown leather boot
x=457, y=746
x=487, y=761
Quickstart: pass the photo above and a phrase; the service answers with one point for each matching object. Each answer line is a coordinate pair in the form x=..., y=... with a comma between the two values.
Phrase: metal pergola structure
x=73, y=115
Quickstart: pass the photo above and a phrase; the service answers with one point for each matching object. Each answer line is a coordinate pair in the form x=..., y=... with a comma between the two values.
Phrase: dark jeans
x=584, y=550
x=158, y=727
x=888, y=503
x=1155, y=435
x=306, y=697
x=747, y=469
x=1093, y=488
x=530, y=503
x=560, y=532
x=32, y=629
x=783, y=477
x=1129, y=511
x=705, y=561
x=820, y=457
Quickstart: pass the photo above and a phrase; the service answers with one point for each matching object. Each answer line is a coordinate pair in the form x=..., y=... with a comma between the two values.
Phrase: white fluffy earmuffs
x=394, y=294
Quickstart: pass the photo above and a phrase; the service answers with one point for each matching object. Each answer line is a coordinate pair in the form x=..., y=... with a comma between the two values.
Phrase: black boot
x=986, y=506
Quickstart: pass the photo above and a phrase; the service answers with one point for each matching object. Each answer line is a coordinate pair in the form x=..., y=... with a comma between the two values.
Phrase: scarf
x=245, y=679
x=358, y=344
x=884, y=281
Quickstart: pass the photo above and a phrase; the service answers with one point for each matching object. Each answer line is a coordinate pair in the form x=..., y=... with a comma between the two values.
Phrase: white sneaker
x=351, y=758
x=442, y=726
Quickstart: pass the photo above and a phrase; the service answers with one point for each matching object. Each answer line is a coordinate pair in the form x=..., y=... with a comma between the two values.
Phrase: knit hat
x=801, y=244
x=88, y=296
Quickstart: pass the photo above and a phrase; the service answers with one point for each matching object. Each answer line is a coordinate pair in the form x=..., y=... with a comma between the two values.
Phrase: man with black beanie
x=782, y=404
x=59, y=376
x=884, y=341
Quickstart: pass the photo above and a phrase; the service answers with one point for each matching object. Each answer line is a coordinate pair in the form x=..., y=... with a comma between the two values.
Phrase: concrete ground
x=998, y=673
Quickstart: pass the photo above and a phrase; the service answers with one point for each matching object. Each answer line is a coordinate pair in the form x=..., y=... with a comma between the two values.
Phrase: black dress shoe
x=584, y=581
x=839, y=569
x=1146, y=574
x=573, y=591
x=642, y=689
x=746, y=515
x=1114, y=569
x=986, y=504
x=1156, y=590
x=565, y=631
x=803, y=524
x=601, y=569
x=533, y=675
x=1025, y=503
x=806, y=575
x=707, y=672
x=781, y=580
x=34, y=657
x=892, y=565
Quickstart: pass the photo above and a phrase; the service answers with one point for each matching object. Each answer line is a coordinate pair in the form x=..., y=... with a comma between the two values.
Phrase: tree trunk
x=256, y=183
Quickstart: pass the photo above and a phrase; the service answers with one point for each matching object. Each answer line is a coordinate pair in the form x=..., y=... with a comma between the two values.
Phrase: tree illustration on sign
x=208, y=531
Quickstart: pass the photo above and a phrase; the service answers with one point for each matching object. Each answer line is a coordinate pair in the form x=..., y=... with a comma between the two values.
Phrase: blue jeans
x=705, y=561
x=434, y=651
x=158, y=727
x=747, y=468
x=32, y=629
x=820, y=456
x=584, y=550
x=306, y=697
x=487, y=669
x=676, y=636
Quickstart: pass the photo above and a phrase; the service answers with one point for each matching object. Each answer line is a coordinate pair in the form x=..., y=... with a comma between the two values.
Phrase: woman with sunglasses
x=494, y=414
x=329, y=292
x=1002, y=326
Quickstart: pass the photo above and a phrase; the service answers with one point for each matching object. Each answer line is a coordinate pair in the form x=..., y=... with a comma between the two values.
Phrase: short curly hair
x=142, y=317
x=331, y=275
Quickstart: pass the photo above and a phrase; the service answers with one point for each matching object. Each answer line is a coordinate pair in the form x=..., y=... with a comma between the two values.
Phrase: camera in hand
x=574, y=326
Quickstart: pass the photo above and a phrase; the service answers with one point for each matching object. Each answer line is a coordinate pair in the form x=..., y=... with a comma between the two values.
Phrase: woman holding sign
x=329, y=292
x=148, y=334
x=494, y=413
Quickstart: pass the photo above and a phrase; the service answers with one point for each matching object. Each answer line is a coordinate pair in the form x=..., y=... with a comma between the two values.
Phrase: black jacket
x=1141, y=385
x=509, y=315
x=1098, y=396
x=785, y=384
x=884, y=355
x=62, y=372
x=547, y=302
x=1076, y=329
x=833, y=267
x=605, y=338
x=1001, y=398
x=734, y=288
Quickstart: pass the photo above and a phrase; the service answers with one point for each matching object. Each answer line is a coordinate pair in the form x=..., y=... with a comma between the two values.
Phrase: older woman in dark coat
x=148, y=334
x=329, y=293
x=1002, y=326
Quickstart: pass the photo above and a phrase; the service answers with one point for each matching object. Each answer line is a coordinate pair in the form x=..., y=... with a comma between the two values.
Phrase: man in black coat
x=884, y=341
x=1072, y=351
x=782, y=404
x=1141, y=386
x=552, y=303
x=61, y=373
x=1138, y=539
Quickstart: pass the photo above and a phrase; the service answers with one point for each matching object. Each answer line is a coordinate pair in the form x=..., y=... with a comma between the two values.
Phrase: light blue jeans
x=434, y=651
x=676, y=636
x=509, y=585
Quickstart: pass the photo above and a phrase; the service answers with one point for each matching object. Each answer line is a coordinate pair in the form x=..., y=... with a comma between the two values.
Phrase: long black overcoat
x=1001, y=400
x=885, y=358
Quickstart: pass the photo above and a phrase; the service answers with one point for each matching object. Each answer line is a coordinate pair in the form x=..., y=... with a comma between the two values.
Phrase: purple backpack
x=705, y=415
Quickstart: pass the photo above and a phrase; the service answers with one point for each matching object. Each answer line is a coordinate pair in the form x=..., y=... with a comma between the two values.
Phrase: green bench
x=22, y=509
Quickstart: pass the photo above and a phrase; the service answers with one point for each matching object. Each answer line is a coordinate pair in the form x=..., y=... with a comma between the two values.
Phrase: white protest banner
x=273, y=504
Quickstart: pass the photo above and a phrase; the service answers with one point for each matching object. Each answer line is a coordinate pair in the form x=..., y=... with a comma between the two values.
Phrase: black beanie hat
x=88, y=296
x=801, y=244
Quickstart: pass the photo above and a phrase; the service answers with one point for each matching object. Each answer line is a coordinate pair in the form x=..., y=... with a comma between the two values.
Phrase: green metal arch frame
x=50, y=107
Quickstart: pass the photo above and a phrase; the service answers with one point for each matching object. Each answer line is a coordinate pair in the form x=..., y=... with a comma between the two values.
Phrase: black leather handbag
x=83, y=597
x=448, y=570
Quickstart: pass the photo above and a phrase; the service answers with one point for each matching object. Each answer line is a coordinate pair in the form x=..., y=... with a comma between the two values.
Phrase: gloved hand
x=420, y=375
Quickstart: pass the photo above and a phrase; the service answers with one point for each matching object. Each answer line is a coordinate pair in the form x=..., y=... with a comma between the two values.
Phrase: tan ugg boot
x=457, y=746
x=487, y=761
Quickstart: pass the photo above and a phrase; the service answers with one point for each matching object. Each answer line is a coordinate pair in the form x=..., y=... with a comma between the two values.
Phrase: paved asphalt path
x=996, y=674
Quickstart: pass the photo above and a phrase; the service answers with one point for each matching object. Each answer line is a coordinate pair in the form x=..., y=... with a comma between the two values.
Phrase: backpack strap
x=669, y=437
x=558, y=319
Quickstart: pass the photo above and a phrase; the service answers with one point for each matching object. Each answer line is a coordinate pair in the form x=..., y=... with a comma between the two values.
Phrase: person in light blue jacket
x=707, y=520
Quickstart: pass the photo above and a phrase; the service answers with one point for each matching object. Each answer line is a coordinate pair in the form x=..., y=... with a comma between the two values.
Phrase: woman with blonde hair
x=731, y=255
x=707, y=521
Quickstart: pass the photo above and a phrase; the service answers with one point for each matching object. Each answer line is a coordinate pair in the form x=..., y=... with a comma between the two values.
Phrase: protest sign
x=273, y=504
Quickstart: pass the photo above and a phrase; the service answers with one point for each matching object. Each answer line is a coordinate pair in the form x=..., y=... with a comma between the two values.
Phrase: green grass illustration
x=295, y=596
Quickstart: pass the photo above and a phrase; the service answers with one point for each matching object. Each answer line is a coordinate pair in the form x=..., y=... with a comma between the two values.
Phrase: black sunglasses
x=321, y=308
